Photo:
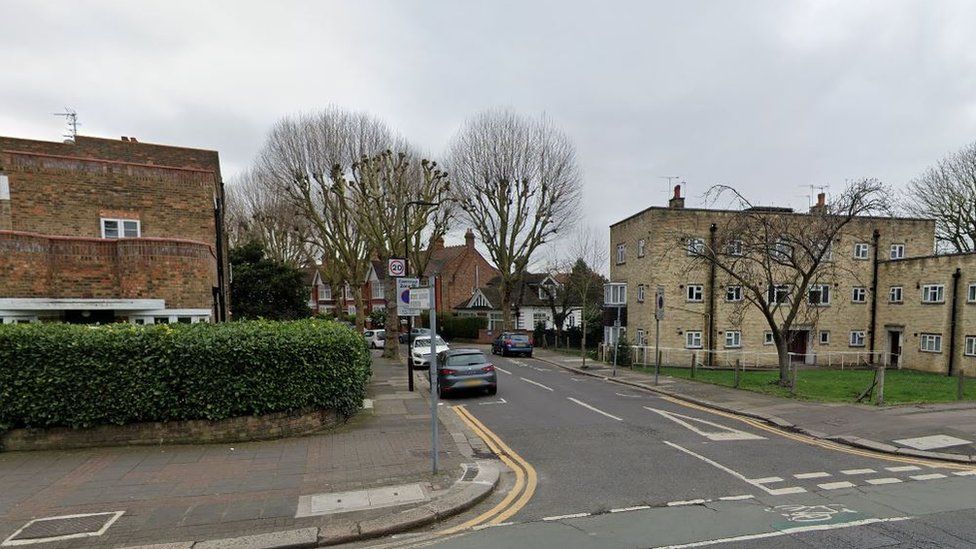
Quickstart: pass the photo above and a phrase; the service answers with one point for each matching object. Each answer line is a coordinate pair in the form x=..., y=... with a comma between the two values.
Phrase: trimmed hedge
x=451, y=326
x=79, y=376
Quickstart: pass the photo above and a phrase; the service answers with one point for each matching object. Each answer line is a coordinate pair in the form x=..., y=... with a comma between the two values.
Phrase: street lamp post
x=406, y=271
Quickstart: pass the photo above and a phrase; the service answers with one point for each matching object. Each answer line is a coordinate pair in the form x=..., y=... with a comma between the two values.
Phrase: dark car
x=417, y=332
x=512, y=344
x=465, y=369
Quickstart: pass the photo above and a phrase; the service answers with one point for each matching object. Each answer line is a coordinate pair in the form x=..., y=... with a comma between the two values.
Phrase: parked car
x=420, y=353
x=465, y=369
x=375, y=339
x=417, y=332
x=511, y=343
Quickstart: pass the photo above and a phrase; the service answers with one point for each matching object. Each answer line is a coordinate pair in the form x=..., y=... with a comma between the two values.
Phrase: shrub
x=78, y=376
x=451, y=326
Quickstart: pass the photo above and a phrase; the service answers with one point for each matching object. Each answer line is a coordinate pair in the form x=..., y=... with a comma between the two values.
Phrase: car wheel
x=440, y=391
x=528, y=355
x=492, y=391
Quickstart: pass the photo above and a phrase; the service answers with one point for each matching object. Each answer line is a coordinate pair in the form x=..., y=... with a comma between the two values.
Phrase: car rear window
x=471, y=359
x=520, y=338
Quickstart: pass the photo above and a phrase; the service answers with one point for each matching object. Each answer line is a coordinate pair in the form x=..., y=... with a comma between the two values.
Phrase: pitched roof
x=441, y=258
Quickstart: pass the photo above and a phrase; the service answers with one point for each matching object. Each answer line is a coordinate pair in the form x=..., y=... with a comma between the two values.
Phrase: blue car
x=509, y=343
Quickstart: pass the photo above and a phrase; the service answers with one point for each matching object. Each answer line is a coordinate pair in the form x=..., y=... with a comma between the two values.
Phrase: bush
x=264, y=288
x=79, y=376
x=450, y=326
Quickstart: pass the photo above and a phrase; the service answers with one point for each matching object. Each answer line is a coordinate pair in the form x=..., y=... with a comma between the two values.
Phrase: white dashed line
x=903, y=468
x=835, y=485
x=686, y=502
x=736, y=498
x=484, y=526
x=820, y=474
x=627, y=509
x=563, y=517
x=930, y=476
x=858, y=471
x=628, y=396
x=785, y=532
x=597, y=410
x=740, y=476
x=503, y=370
x=886, y=480
x=766, y=480
x=536, y=383
x=964, y=473
x=785, y=491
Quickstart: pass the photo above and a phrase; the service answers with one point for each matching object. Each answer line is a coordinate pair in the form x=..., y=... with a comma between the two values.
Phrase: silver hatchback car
x=465, y=369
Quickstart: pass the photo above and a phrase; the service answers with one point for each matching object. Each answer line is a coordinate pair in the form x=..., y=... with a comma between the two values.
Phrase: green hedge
x=79, y=376
x=451, y=326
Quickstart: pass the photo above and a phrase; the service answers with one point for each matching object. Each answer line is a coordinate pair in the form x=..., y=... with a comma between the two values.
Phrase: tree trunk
x=783, y=350
x=391, y=347
x=583, y=339
x=506, y=308
x=357, y=299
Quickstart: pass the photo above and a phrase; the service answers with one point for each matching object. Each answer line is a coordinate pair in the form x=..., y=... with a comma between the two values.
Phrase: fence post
x=693, y=365
x=960, y=382
x=794, y=369
x=736, y=375
x=879, y=383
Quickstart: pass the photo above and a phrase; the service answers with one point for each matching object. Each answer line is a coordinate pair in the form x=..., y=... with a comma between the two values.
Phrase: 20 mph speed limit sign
x=397, y=267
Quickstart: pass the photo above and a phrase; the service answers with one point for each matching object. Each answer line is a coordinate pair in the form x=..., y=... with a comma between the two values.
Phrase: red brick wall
x=459, y=279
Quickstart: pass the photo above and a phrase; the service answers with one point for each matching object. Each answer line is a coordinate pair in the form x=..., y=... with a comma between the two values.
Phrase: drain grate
x=470, y=472
x=63, y=527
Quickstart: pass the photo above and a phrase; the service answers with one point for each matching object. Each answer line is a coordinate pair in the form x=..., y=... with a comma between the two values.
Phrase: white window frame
x=930, y=343
x=696, y=246
x=773, y=294
x=540, y=318
x=856, y=338
x=733, y=339
x=768, y=338
x=971, y=297
x=120, y=227
x=734, y=248
x=325, y=292
x=822, y=290
x=641, y=291
x=859, y=294
x=862, y=250
x=694, y=293
x=693, y=339
x=640, y=339
x=897, y=251
x=615, y=294
x=896, y=290
x=26, y=319
x=641, y=243
x=733, y=293
x=939, y=293
x=824, y=337
x=621, y=254
x=970, y=349
x=377, y=291
x=4, y=187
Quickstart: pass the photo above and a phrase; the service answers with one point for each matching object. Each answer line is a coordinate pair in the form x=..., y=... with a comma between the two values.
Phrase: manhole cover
x=63, y=527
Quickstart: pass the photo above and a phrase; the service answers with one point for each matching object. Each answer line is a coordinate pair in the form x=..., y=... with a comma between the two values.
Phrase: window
x=781, y=250
x=4, y=187
x=540, y=319
x=824, y=337
x=972, y=293
x=734, y=248
x=621, y=254
x=694, y=292
x=829, y=252
x=778, y=294
x=895, y=294
x=325, y=292
x=693, y=340
x=696, y=246
x=121, y=228
x=819, y=294
x=161, y=320
x=857, y=338
x=861, y=250
x=615, y=294
x=641, y=339
x=933, y=293
x=378, y=289
x=733, y=339
x=859, y=294
x=970, y=346
x=768, y=338
x=640, y=247
x=897, y=251
x=930, y=343
x=494, y=321
x=640, y=293
x=480, y=301
x=733, y=293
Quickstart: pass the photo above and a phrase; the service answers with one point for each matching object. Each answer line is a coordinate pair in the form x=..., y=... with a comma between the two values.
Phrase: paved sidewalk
x=942, y=431
x=200, y=492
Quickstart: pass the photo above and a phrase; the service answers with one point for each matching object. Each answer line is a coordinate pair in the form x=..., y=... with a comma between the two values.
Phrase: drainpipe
x=952, y=322
x=711, y=294
x=874, y=293
x=219, y=230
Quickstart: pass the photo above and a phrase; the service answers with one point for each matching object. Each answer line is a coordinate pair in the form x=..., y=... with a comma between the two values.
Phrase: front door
x=894, y=348
x=798, y=345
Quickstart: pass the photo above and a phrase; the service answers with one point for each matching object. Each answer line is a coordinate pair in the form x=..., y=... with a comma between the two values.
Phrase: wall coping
x=155, y=239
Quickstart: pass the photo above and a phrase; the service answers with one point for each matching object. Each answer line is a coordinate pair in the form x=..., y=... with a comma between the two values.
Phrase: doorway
x=797, y=345
x=894, y=348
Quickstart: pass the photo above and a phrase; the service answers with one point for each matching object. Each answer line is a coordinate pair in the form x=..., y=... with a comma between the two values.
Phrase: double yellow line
x=525, y=477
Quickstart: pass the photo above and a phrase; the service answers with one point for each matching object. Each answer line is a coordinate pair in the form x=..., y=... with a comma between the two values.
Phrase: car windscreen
x=519, y=338
x=470, y=359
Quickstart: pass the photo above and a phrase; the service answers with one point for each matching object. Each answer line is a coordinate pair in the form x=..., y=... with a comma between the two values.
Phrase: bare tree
x=946, y=192
x=518, y=182
x=778, y=257
x=589, y=253
x=308, y=159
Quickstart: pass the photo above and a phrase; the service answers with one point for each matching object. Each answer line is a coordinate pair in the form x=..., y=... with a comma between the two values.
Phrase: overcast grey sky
x=765, y=96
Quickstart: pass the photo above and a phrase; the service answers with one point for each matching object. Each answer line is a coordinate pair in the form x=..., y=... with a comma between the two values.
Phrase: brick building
x=893, y=299
x=104, y=230
x=530, y=303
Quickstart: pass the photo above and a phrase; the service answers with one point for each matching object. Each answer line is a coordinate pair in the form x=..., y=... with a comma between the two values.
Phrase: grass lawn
x=901, y=386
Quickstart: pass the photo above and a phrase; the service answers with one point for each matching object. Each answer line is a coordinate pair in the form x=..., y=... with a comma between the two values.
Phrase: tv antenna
x=820, y=188
x=71, y=118
x=670, y=178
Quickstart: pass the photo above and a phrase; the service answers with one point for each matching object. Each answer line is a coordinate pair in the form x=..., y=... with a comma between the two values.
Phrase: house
x=892, y=299
x=530, y=303
x=97, y=230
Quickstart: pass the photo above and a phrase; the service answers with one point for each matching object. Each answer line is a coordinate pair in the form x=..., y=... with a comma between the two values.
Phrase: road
x=621, y=467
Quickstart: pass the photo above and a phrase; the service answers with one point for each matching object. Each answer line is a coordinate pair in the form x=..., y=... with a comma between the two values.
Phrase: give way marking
x=707, y=429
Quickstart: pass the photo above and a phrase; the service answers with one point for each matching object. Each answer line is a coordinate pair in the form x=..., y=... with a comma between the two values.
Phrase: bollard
x=879, y=384
x=736, y=375
x=960, y=383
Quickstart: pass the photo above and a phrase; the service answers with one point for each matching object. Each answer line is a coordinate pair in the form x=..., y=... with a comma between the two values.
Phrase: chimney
x=124, y=138
x=439, y=243
x=676, y=201
x=133, y=140
x=469, y=239
x=821, y=204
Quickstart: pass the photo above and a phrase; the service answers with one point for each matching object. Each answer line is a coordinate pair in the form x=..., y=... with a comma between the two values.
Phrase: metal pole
x=433, y=373
x=657, y=347
x=616, y=343
x=406, y=271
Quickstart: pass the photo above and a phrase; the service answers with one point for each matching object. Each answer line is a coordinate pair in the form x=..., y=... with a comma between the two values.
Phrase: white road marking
x=597, y=410
x=736, y=498
x=819, y=474
x=932, y=442
x=499, y=401
x=858, y=471
x=836, y=485
x=634, y=508
x=536, y=383
x=885, y=480
x=562, y=517
x=723, y=433
x=503, y=370
x=765, y=480
x=686, y=502
x=903, y=468
x=785, y=532
x=483, y=526
x=628, y=396
x=929, y=476
x=740, y=476
x=964, y=473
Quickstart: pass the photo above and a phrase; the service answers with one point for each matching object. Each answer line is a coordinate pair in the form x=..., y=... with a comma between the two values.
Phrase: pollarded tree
x=256, y=212
x=517, y=181
x=946, y=192
x=782, y=260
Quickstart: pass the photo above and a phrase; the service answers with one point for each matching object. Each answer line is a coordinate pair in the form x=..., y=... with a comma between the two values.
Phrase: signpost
x=425, y=300
x=658, y=317
x=403, y=309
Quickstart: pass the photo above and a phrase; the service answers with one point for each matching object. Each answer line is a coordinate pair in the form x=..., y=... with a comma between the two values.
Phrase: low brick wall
x=238, y=429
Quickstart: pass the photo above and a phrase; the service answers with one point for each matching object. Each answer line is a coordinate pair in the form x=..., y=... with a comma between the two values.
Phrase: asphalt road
x=620, y=467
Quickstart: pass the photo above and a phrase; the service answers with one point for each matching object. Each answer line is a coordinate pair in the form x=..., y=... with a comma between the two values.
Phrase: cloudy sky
x=769, y=97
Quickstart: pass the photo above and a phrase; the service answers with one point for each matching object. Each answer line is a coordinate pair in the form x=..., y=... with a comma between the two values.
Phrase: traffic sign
x=420, y=298
x=659, y=303
x=404, y=307
x=396, y=267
